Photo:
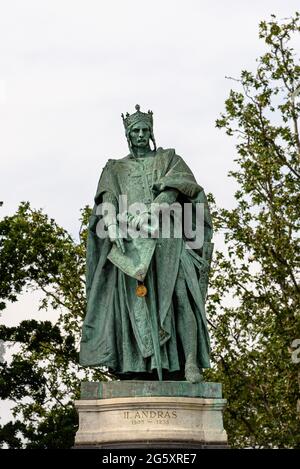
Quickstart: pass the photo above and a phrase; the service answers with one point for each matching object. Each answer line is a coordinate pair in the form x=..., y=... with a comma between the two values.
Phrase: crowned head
x=138, y=128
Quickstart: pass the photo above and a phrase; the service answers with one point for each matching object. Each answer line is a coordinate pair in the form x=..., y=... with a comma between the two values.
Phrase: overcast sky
x=69, y=68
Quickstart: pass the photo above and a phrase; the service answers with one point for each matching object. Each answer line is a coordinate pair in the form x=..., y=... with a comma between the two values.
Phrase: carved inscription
x=153, y=416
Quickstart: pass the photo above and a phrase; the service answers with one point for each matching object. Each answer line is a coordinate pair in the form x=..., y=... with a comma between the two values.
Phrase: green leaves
x=42, y=377
x=255, y=299
x=22, y=378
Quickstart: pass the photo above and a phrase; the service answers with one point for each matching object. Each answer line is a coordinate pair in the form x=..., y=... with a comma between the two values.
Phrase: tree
x=259, y=273
x=43, y=376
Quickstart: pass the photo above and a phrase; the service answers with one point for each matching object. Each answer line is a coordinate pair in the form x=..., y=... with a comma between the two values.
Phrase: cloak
x=117, y=327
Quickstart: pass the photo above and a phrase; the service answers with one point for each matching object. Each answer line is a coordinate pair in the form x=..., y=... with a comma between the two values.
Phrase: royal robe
x=117, y=330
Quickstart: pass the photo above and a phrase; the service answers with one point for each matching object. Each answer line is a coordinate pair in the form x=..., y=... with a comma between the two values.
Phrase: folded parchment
x=136, y=260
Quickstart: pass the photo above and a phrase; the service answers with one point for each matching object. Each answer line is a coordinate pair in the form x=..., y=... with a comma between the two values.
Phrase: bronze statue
x=146, y=294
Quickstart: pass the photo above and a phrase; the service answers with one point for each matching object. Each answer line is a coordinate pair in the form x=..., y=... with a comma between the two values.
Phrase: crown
x=138, y=116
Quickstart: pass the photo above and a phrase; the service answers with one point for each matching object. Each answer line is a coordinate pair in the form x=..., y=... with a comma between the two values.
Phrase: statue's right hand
x=115, y=236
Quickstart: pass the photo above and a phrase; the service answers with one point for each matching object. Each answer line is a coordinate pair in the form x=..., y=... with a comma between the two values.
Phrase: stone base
x=157, y=421
x=153, y=444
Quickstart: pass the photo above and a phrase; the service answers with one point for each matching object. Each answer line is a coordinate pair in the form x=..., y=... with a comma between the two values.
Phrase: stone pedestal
x=145, y=414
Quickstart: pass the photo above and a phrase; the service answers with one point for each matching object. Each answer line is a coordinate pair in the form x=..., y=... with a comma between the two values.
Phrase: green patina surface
x=165, y=330
x=106, y=390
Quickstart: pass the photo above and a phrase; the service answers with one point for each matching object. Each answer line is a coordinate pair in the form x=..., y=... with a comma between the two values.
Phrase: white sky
x=69, y=68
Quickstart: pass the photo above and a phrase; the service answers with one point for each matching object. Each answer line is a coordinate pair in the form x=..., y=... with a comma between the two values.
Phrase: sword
x=155, y=337
x=156, y=346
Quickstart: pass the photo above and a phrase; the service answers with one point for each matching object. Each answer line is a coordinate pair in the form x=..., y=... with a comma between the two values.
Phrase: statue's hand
x=115, y=236
x=142, y=220
x=145, y=222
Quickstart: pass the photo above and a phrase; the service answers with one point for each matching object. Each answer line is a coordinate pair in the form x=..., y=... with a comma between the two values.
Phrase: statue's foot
x=192, y=372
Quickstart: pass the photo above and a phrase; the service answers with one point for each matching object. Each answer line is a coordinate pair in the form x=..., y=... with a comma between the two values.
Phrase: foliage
x=43, y=377
x=253, y=331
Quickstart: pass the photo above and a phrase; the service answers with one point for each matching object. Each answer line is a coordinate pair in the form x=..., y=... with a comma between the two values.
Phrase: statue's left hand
x=142, y=219
x=145, y=222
